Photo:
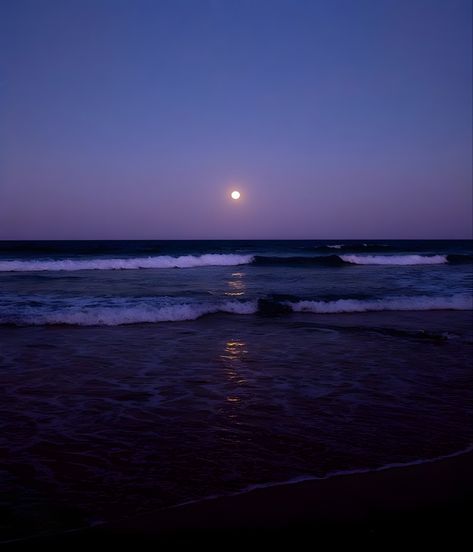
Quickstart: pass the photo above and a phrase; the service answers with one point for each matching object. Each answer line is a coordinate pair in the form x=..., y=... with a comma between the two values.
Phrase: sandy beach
x=424, y=502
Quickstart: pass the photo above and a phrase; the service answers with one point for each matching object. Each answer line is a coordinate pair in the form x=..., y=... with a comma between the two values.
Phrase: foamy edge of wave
x=123, y=315
x=399, y=260
x=148, y=313
x=419, y=303
x=184, y=261
x=359, y=471
x=330, y=475
x=271, y=484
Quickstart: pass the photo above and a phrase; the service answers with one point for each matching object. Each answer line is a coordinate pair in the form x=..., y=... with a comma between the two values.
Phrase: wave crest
x=353, y=247
x=215, y=259
x=38, y=312
x=399, y=260
x=419, y=303
x=117, y=315
x=185, y=261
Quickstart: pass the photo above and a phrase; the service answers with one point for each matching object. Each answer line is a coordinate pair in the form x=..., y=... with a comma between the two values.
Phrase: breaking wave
x=121, y=314
x=117, y=312
x=394, y=259
x=347, y=260
x=185, y=261
x=214, y=259
x=419, y=303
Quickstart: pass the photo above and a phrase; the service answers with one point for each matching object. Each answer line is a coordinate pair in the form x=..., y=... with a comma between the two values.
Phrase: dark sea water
x=140, y=375
x=111, y=283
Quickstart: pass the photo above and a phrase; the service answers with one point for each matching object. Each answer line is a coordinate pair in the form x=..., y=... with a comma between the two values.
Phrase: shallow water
x=101, y=422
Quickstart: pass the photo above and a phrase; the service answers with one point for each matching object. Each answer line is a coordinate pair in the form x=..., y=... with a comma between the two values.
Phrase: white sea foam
x=419, y=303
x=146, y=310
x=184, y=261
x=118, y=314
x=395, y=259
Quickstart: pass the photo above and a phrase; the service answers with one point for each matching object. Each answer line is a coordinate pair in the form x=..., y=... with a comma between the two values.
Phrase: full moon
x=235, y=194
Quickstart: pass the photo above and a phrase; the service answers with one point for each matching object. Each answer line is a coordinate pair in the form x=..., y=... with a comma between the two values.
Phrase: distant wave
x=399, y=260
x=184, y=261
x=346, y=260
x=353, y=247
x=108, y=312
x=419, y=303
x=214, y=259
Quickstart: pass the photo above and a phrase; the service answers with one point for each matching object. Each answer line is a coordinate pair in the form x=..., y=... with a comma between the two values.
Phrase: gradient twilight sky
x=334, y=118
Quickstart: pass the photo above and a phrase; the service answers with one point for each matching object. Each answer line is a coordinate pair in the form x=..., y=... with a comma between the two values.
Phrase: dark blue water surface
x=140, y=375
x=117, y=282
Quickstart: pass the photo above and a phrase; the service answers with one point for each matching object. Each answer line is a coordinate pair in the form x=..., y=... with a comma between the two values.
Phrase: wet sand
x=425, y=503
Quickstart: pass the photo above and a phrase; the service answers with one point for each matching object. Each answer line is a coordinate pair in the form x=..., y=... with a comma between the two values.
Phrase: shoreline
x=391, y=360
x=427, y=501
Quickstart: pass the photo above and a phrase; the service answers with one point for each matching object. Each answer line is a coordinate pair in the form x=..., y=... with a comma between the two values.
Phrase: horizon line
x=231, y=239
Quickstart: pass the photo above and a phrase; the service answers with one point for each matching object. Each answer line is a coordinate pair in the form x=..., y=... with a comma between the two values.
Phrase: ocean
x=138, y=375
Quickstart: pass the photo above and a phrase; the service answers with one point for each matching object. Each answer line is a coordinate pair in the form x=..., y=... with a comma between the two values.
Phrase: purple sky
x=334, y=118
